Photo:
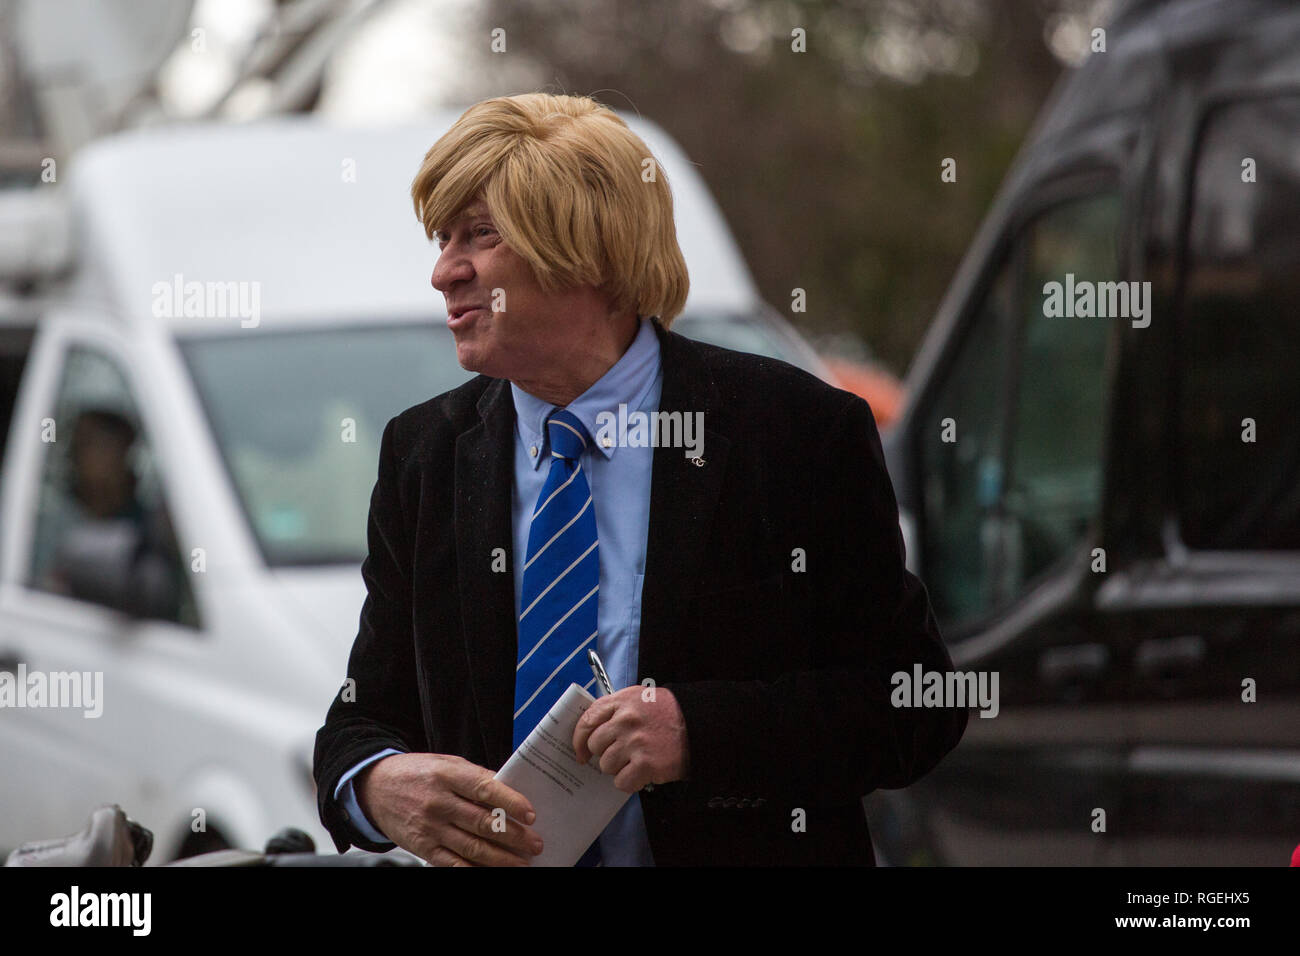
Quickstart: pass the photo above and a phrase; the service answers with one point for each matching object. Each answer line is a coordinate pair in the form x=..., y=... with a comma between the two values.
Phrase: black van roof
x=1153, y=45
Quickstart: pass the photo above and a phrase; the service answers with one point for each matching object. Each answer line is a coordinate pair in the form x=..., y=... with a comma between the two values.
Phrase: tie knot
x=568, y=435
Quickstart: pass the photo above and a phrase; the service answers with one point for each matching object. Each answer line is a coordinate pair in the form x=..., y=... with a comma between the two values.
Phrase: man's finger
x=614, y=759
x=477, y=784
x=602, y=738
x=477, y=850
x=593, y=717
x=497, y=827
x=632, y=778
x=441, y=856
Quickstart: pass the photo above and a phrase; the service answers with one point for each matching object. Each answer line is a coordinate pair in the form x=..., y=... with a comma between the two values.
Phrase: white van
x=198, y=391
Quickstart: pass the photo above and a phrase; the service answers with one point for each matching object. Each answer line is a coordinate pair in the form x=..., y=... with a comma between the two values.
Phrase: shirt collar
x=627, y=381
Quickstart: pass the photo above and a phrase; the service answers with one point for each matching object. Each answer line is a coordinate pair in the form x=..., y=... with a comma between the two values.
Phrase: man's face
x=99, y=456
x=530, y=328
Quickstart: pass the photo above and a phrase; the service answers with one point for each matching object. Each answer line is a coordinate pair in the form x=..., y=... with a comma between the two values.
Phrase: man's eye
x=443, y=238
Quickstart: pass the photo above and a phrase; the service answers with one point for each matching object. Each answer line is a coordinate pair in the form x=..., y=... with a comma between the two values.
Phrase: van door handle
x=1169, y=657
x=1073, y=665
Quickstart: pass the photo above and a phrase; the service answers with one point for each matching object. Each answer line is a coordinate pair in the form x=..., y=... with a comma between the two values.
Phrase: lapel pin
x=698, y=462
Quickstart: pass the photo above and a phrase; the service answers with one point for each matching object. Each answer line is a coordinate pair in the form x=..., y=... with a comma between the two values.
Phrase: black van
x=1104, y=499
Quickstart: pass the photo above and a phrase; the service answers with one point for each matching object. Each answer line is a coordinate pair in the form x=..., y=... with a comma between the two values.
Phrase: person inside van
x=100, y=542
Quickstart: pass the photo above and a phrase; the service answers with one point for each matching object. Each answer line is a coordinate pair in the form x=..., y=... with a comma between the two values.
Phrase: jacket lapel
x=484, y=478
x=683, y=498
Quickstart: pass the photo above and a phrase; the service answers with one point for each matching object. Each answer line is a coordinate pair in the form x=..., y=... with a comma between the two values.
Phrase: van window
x=99, y=488
x=1053, y=473
x=1239, y=333
x=963, y=476
x=1013, y=480
x=298, y=416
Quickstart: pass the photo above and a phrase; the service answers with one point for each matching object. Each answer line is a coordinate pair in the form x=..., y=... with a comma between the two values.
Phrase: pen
x=598, y=669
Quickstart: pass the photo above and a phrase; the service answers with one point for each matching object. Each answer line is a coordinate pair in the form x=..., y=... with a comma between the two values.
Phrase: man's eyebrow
x=471, y=213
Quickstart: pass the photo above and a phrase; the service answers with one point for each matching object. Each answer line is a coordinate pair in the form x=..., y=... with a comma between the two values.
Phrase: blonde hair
x=563, y=179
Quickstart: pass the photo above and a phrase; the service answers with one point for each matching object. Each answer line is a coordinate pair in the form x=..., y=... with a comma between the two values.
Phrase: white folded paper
x=574, y=802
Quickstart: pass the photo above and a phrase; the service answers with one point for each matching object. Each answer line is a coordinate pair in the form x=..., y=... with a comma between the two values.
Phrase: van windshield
x=298, y=415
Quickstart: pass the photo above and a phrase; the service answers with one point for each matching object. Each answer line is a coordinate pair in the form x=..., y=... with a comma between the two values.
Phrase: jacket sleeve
x=830, y=735
x=378, y=706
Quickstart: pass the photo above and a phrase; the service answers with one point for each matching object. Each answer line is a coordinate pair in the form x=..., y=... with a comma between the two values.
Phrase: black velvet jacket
x=776, y=606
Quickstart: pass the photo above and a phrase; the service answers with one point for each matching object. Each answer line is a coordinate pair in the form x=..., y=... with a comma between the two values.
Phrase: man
x=747, y=594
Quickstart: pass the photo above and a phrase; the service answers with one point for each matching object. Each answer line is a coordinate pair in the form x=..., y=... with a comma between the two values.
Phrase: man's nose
x=451, y=267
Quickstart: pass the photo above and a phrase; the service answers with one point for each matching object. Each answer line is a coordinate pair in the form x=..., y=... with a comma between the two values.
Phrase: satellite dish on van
x=87, y=59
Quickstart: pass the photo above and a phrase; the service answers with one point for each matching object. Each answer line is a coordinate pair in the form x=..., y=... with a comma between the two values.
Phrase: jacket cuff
x=345, y=794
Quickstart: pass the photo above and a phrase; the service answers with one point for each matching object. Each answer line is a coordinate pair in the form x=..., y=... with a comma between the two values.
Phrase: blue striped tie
x=557, y=616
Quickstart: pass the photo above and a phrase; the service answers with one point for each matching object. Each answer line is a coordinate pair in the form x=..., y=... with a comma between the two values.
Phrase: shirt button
x=533, y=451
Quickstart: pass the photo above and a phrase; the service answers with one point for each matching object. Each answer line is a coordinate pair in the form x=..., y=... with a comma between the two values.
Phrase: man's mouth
x=459, y=319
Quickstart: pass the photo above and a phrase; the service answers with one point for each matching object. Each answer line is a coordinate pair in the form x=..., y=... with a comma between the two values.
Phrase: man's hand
x=641, y=741
x=440, y=807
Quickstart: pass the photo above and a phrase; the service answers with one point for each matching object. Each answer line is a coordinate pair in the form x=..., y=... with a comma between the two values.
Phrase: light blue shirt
x=619, y=476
